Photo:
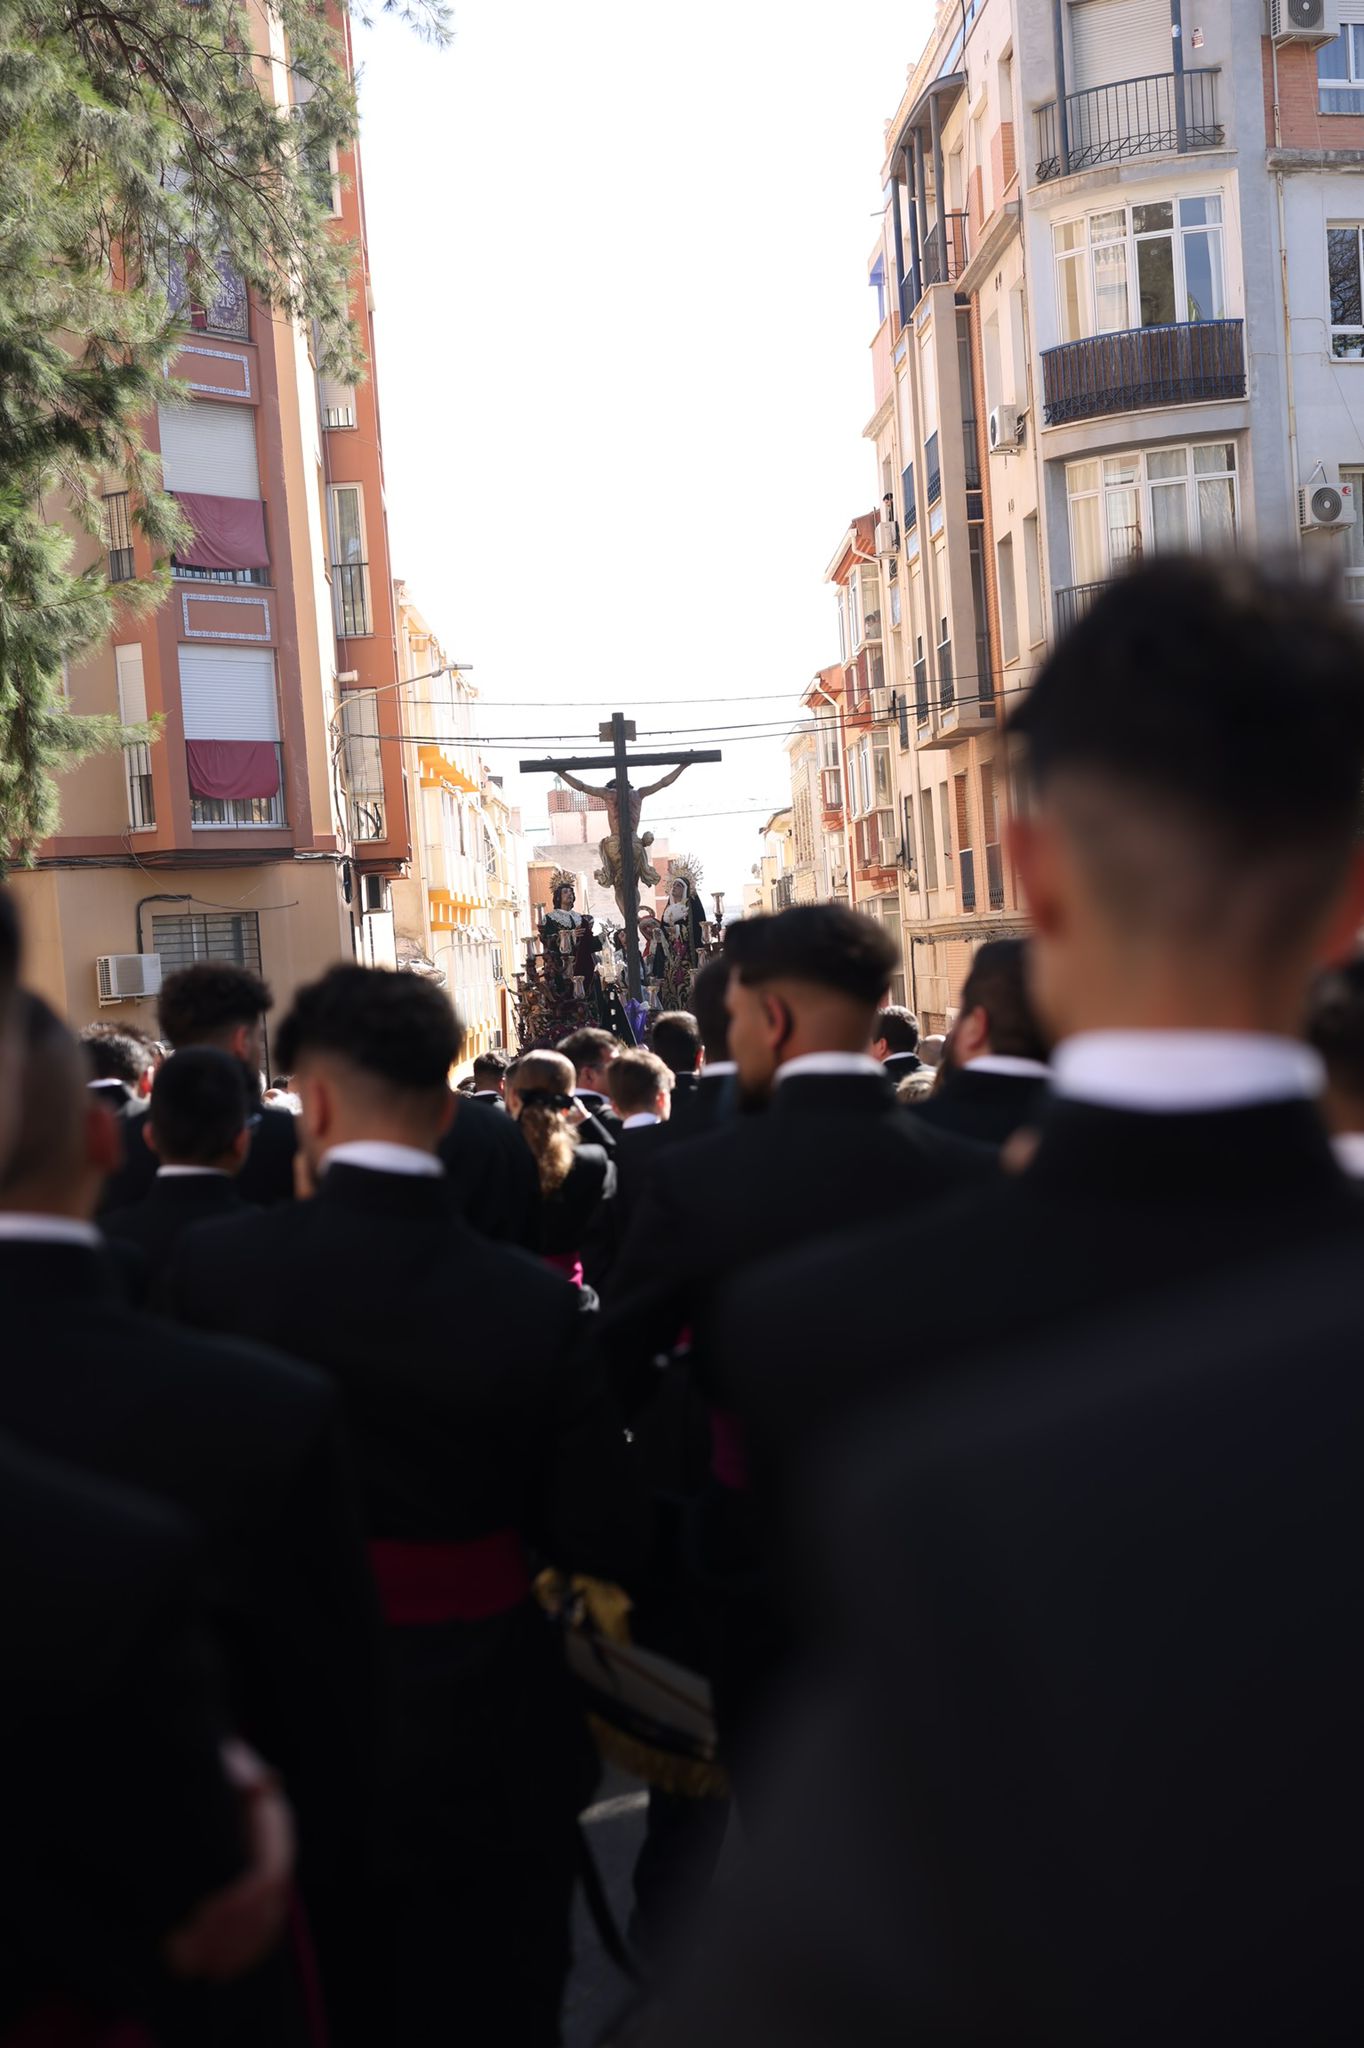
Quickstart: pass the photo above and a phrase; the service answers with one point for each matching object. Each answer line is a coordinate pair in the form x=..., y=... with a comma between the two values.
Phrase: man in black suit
x=716, y=1095
x=676, y=1038
x=832, y=1143
x=1335, y=1029
x=1183, y=897
x=196, y=1124
x=996, y=1058
x=895, y=1041
x=490, y=1076
x=1086, y=1771
x=246, y=1443
x=223, y=1006
x=490, y=1173
x=592, y=1051
x=642, y=1094
x=481, y=1431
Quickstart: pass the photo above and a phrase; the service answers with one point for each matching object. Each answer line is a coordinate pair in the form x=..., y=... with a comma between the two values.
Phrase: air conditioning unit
x=1004, y=430
x=887, y=539
x=1326, y=508
x=1303, y=21
x=374, y=892
x=125, y=976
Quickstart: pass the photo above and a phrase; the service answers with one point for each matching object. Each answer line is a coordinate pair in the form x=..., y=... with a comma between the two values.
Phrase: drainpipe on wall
x=1181, y=105
x=1290, y=381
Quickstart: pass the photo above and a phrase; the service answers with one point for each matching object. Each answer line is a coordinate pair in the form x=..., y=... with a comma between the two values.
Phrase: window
x=183, y=941
x=870, y=581
x=854, y=614
x=137, y=762
x=209, y=448
x=877, y=281
x=945, y=821
x=1343, y=271
x=907, y=852
x=231, y=721
x=350, y=568
x=884, y=788
x=1354, y=539
x=911, y=508
x=118, y=537
x=966, y=859
x=1153, y=265
x=1125, y=506
x=208, y=292
x=1008, y=598
x=1340, y=72
x=1032, y=570
x=894, y=600
x=930, y=844
x=364, y=763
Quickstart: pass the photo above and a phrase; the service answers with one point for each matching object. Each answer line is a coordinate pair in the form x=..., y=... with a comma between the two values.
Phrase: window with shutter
x=137, y=763
x=1116, y=39
x=228, y=693
x=209, y=448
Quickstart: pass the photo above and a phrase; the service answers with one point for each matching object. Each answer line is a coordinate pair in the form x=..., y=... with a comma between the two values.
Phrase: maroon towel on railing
x=229, y=533
x=421, y=1584
x=233, y=768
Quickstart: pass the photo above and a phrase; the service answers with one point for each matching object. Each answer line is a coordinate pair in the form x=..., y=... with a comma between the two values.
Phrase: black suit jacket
x=1088, y=1772
x=249, y=1445
x=986, y=1107
x=170, y=1207
x=1114, y=1203
x=491, y=1174
x=266, y=1179
x=474, y=1405
x=602, y=1126
x=713, y=1101
x=900, y=1064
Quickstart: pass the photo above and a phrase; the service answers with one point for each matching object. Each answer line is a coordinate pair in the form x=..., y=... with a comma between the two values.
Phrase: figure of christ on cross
x=610, y=874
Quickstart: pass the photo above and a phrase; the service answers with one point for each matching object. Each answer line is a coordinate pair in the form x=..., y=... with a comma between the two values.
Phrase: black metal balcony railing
x=188, y=572
x=1148, y=116
x=985, y=674
x=994, y=876
x=945, y=256
x=241, y=810
x=1072, y=603
x=947, y=695
x=350, y=586
x=966, y=862
x=118, y=537
x=921, y=698
x=933, y=465
x=971, y=450
x=911, y=509
x=783, y=892
x=1144, y=367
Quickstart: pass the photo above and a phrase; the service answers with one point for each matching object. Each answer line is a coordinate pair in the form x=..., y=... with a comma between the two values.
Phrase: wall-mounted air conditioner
x=1004, y=430
x=1326, y=508
x=123, y=977
x=1303, y=21
x=887, y=539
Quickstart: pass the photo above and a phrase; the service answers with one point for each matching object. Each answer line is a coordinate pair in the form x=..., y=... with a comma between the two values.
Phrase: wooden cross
x=617, y=732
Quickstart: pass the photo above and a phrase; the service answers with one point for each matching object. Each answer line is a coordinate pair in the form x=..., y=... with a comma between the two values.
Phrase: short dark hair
x=199, y=1106
x=588, y=1047
x=824, y=944
x=396, y=1027
x=48, y=1137
x=1335, y=1025
x=114, y=1055
x=708, y=1001
x=196, y=1003
x=492, y=1065
x=997, y=982
x=636, y=1080
x=676, y=1038
x=898, y=1026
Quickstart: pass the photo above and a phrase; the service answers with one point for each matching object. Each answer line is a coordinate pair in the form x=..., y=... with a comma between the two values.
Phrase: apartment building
x=236, y=833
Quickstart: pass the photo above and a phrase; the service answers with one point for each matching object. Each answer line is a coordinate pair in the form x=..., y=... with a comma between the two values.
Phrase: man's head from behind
x=67, y=1138
x=369, y=1053
x=591, y=1051
x=640, y=1083
x=996, y=1013
x=490, y=1072
x=808, y=980
x=1195, y=747
x=676, y=1038
x=116, y=1055
x=216, y=1004
x=708, y=994
x=199, y=1109
x=896, y=1030
x=1335, y=1027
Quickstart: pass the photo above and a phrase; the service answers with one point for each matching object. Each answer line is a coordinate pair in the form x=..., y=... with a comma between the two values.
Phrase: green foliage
x=138, y=138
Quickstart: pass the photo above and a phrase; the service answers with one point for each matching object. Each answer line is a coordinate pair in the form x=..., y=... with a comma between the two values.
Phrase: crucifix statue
x=624, y=854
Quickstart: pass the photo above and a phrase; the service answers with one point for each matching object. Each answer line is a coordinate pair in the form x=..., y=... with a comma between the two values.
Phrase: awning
x=229, y=533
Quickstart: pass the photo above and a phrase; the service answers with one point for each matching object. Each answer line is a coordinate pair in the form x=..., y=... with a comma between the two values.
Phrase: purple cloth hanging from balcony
x=233, y=768
x=229, y=533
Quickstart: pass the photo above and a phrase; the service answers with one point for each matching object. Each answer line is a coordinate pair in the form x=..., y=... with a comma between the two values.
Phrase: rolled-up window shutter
x=132, y=688
x=211, y=448
x=1116, y=39
x=228, y=693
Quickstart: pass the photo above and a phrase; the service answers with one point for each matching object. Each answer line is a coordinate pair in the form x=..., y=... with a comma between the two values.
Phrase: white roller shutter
x=212, y=448
x=228, y=693
x=132, y=688
x=1115, y=39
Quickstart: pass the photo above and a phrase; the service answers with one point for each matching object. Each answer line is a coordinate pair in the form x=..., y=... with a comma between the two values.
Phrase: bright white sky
x=619, y=254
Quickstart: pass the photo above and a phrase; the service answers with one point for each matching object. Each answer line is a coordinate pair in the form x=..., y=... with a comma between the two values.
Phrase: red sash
x=421, y=1584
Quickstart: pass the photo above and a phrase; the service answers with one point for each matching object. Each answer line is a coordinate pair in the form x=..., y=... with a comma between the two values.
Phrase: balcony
x=945, y=257
x=186, y=572
x=137, y=770
x=118, y=537
x=783, y=892
x=1149, y=116
x=1072, y=603
x=1142, y=369
x=260, y=813
x=922, y=703
x=966, y=877
x=350, y=593
x=994, y=876
x=933, y=466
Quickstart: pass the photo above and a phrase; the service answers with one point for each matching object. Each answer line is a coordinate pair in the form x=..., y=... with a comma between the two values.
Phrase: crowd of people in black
x=973, y=1424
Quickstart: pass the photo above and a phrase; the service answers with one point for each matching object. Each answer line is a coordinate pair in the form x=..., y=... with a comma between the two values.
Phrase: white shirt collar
x=717, y=1069
x=190, y=1172
x=1010, y=1063
x=379, y=1156
x=830, y=1063
x=641, y=1120
x=34, y=1229
x=1167, y=1073
x=1348, y=1147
